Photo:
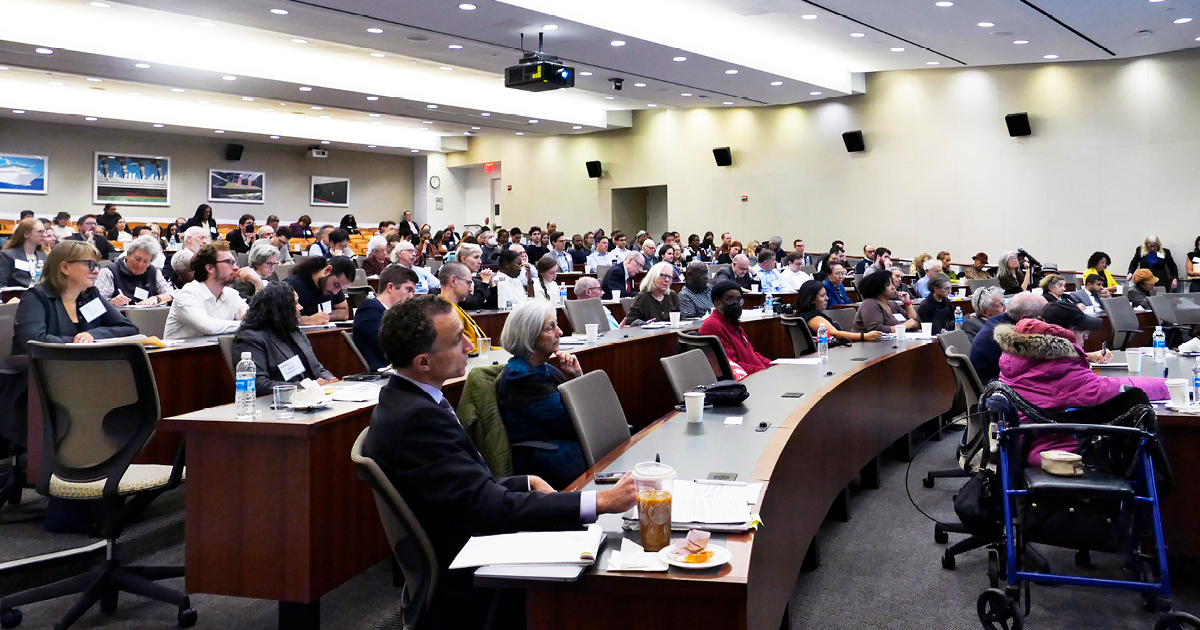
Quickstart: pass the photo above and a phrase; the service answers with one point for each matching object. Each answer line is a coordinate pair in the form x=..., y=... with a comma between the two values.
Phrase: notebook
x=580, y=547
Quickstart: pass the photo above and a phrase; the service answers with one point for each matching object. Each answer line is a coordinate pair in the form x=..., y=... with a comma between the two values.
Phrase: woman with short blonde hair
x=656, y=301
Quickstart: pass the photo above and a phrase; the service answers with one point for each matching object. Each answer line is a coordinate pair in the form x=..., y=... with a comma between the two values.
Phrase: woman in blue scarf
x=1153, y=256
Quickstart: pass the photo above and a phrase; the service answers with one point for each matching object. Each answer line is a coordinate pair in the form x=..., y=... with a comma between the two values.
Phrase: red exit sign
x=489, y=167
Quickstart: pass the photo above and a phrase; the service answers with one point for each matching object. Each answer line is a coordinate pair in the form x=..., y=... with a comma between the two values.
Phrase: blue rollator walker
x=1111, y=507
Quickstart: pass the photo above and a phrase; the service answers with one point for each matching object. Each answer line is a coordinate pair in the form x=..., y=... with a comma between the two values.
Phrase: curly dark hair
x=408, y=330
x=876, y=284
x=274, y=309
x=1097, y=257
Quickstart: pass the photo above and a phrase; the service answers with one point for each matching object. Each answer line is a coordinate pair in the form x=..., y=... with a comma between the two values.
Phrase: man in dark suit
x=396, y=284
x=620, y=277
x=738, y=271
x=418, y=442
x=407, y=227
x=87, y=232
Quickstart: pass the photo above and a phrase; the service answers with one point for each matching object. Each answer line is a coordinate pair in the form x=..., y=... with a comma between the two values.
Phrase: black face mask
x=732, y=312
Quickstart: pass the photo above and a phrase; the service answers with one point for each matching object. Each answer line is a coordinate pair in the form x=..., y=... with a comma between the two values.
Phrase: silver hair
x=523, y=326
x=932, y=264
x=146, y=243
x=182, y=259
x=653, y=275
x=1025, y=305
x=777, y=240
x=896, y=268
x=1002, y=268
x=264, y=229
x=584, y=284
x=260, y=252
x=195, y=230
x=987, y=299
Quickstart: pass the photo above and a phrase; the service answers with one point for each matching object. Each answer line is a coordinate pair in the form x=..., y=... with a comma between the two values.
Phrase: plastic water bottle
x=246, y=390
x=769, y=304
x=37, y=273
x=1160, y=345
x=958, y=318
x=172, y=240
x=823, y=342
x=562, y=295
x=1196, y=382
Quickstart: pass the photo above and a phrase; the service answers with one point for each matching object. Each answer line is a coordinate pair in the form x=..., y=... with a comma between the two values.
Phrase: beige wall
x=380, y=185
x=1114, y=156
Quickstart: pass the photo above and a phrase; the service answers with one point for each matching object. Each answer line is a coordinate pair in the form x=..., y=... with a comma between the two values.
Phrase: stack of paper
x=712, y=507
x=574, y=547
x=801, y=361
x=363, y=392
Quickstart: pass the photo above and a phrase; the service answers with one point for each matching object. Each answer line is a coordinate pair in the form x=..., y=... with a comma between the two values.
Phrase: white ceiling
x=805, y=46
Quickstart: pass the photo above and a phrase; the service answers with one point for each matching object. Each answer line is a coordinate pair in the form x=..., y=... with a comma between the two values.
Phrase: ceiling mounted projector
x=538, y=72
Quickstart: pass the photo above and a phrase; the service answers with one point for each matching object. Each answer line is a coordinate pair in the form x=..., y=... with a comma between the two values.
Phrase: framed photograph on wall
x=24, y=174
x=330, y=191
x=236, y=186
x=131, y=180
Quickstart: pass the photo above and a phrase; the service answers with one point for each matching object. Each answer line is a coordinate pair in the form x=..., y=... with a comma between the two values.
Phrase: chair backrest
x=626, y=305
x=243, y=259
x=601, y=271
x=975, y=285
x=801, y=336
x=410, y=545
x=353, y=348
x=808, y=269
x=149, y=321
x=225, y=342
x=596, y=413
x=843, y=317
x=583, y=312
x=1163, y=309
x=713, y=270
x=97, y=436
x=8, y=315
x=964, y=373
x=283, y=270
x=1186, y=307
x=711, y=345
x=956, y=339
x=360, y=278
x=687, y=370
x=357, y=295
x=1122, y=318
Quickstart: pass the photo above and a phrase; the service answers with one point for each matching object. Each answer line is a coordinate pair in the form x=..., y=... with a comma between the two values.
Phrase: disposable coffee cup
x=593, y=331
x=616, y=295
x=962, y=293
x=694, y=403
x=754, y=288
x=900, y=332
x=1133, y=357
x=675, y=319
x=1179, y=391
x=927, y=329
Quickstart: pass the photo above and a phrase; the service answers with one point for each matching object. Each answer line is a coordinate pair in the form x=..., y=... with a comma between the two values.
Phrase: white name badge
x=92, y=310
x=23, y=265
x=291, y=368
x=1196, y=261
x=325, y=307
x=899, y=317
x=140, y=294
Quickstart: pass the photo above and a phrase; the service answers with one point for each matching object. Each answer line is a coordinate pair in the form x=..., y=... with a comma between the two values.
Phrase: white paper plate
x=1188, y=409
x=721, y=555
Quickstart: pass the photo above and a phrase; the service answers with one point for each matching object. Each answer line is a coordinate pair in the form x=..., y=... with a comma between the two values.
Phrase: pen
x=720, y=482
x=656, y=459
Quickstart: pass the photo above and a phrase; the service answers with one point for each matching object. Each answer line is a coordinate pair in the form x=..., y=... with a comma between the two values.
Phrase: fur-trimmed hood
x=1042, y=347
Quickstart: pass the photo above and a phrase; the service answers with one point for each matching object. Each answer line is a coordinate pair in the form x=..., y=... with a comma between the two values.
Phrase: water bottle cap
x=245, y=355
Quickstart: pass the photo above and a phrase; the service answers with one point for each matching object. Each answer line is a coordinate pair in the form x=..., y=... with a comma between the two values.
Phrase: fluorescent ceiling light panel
x=757, y=42
x=249, y=52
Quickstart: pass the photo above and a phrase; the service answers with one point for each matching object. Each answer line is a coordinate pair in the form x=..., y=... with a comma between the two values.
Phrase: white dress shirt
x=553, y=288
x=595, y=259
x=509, y=289
x=196, y=312
x=62, y=232
x=425, y=280
x=793, y=279
x=565, y=262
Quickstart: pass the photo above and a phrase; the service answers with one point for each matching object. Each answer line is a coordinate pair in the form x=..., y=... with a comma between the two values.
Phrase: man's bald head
x=1025, y=305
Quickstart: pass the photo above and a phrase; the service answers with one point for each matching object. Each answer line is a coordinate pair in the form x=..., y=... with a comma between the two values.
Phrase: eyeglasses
x=738, y=301
x=229, y=261
x=91, y=264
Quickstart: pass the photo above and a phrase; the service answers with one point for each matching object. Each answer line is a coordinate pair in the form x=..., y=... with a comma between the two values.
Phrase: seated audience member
x=917, y=267
x=1092, y=292
x=558, y=243
x=270, y=332
x=133, y=279
x=482, y=296
x=320, y=247
x=181, y=265
x=536, y=249
x=376, y=259
x=259, y=270
x=49, y=239
x=159, y=260
x=769, y=278
x=544, y=285
x=349, y=224
x=811, y=302
x=668, y=254
x=450, y=238
x=489, y=250
x=527, y=393
x=319, y=284
x=621, y=277
x=725, y=323
x=242, y=237
x=879, y=310
x=278, y=238
x=380, y=237
x=898, y=282
x=207, y=305
x=457, y=284
x=1054, y=288
x=22, y=258
x=738, y=271
x=729, y=253
x=587, y=288
x=119, y=231
x=302, y=228
x=937, y=308
x=985, y=352
x=834, y=289
x=976, y=270
x=405, y=255
x=695, y=300
x=694, y=250
x=579, y=250
x=944, y=258
x=868, y=259
x=1014, y=276
x=418, y=442
x=987, y=303
x=90, y=232
x=339, y=244
x=396, y=284
x=62, y=229
x=601, y=256
x=1156, y=258
x=509, y=290
x=798, y=247
x=1043, y=360
x=932, y=267
x=1139, y=294
x=793, y=277
x=649, y=254
x=655, y=301
x=194, y=238
x=1098, y=263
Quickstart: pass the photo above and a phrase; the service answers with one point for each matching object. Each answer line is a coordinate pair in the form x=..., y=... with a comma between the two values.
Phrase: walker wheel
x=1175, y=620
x=994, y=569
x=948, y=561
x=940, y=536
x=1083, y=558
x=998, y=612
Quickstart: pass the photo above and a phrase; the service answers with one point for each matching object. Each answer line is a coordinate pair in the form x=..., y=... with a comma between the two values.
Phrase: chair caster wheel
x=108, y=603
x=947, y=562
x=187, y=617
x=927, y=482
x=1083, y=558
x=998, y=611
x=10, y=618
x=940, y=536
x=1176, y=621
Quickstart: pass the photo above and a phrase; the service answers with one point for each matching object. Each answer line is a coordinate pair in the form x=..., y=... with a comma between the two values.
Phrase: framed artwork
x=131, y=180
x=23, y=174
x=236, y=186
x=330, y=191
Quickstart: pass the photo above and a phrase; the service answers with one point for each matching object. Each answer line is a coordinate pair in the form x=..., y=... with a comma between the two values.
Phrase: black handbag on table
x=723, y=393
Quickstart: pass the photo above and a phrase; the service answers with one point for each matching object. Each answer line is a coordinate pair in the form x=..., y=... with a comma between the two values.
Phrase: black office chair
x=12, y=457
x=349, y=339
x=801, y=336
x=90, y=444
x=1123, y=319
x=711, y=345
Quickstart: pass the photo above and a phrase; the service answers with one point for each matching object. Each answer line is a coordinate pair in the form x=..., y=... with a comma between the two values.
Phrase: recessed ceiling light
x=305, y=89
x=897, y=49
x=1020, y=42
x=446, y=68
x=317, y=108
x=267, y=109
x=475, y=128
x=378, y=54
x=1156, y=0
x=370, y=146
x=229, y=77
x=549, y=27
x=431, y=106
x=986, y=24
x=18, y=111
x=416, y=150
x=466, y=6
x=206, y=24
x=426, y=122
x=727, y=103
x=933, y=63
x=324, y=116
x=943, y=4
x=374, y=115
x=1183, y=20
x=3, y=68
x=533, y=121
x=639, y=85
x=375, y=31
x=1049, y=56
x=616, y=42
x=814, y=93
x=858, y=34
x=520, y=133
x=651, y=105
x=731, y=72
x=100, y=5
x=679, y=59
x=324, y=142
x=218, y=131
x=178, y=90
x=203, y=102
x=279, y=11
x=577, y=127
x=131, y=93
x=609, y=98
x=372, y=98
x=90, y=118
x=143, y=66
x=485, y=114
x=158, y=125
x=809, y=17
x=1197, y=39
x=585, y=74
x=777, y=83
x=455, y=47
x=56, y=83
x=274, y=137
x=43, y=51
x=686, y=94
x=297, y=40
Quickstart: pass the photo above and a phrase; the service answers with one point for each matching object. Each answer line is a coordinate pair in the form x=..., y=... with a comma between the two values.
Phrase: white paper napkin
x=633, y=557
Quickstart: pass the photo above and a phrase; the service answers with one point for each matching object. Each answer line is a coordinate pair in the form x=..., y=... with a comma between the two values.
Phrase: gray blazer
x=269, y=350
x=1083, y=297
x=10, y=276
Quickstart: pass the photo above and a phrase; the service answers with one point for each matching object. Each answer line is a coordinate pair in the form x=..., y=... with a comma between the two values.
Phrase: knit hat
x=1039, y=327
x=1144, y=275
x=723, y=287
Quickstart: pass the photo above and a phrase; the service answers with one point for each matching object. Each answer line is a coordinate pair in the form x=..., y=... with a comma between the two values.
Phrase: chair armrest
x=177, y=468
x=1078, y=429
x=537, y=446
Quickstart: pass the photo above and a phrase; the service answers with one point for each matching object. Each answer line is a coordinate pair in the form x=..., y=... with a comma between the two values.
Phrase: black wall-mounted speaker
x=723, y=156
x=593, y=168
x=1018, y=124
x=233, y=152
x=854, y=141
